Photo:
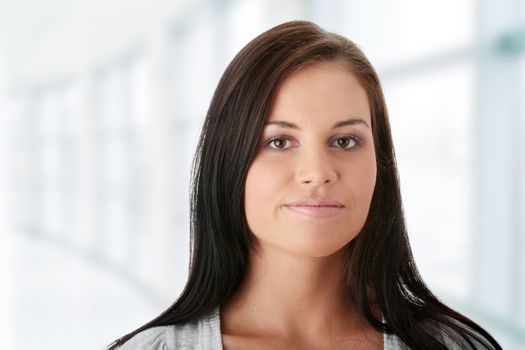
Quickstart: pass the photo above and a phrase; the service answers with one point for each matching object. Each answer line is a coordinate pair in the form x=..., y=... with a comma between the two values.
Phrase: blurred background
x=100, y=108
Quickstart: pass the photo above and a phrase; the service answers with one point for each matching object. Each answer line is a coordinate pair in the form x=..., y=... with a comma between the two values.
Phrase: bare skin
x=294, y=313
x=292, y=295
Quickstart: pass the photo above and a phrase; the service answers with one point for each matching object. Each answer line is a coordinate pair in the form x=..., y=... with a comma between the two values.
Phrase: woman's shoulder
x=473, y=336
x=447, y=336
x=155, y=338
x=203, y=333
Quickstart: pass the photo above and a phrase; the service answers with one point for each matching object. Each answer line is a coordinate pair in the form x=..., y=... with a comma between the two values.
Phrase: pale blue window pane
x=49, y=172
x=140, y=90
x=195, y=73
x=248, y=15
x=393, y=32
x=521, y=143
x=109, y=99
x=51, y=212
x=430, y=115
x=139, y=163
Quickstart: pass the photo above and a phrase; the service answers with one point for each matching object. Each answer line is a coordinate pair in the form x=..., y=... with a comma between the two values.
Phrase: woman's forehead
x=323, y=92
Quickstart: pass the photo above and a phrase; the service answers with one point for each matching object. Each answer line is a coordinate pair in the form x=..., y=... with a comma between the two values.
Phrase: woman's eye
x=278, y=143
x=347, y=142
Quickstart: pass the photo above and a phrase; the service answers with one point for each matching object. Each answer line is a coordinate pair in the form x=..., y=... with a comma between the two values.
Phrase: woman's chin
x=310, y=248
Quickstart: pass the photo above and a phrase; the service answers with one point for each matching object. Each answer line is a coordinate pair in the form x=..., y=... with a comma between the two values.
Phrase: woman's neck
x=286, y=296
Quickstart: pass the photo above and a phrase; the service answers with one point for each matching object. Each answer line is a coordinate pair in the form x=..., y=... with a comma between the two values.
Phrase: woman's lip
x=317, y=202
x=315, y=211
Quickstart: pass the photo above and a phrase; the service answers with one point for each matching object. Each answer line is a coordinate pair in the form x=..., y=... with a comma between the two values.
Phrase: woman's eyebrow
x=288, y=125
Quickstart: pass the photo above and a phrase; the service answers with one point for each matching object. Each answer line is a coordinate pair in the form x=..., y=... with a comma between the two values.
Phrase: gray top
x=204, y=334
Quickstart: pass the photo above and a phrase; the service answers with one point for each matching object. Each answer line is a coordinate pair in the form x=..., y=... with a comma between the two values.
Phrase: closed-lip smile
x=316, y=202
x=316, y=207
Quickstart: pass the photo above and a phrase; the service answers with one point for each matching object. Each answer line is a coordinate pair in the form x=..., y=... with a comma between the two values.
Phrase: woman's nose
x=316, y=167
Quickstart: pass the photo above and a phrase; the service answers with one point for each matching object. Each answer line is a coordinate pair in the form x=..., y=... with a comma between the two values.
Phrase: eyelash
x=354, y=138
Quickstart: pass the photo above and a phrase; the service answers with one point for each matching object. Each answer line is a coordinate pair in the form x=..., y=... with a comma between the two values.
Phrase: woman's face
x=316, y=148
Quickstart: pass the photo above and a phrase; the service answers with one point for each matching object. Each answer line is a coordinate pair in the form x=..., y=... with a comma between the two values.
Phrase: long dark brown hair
x=379, y=259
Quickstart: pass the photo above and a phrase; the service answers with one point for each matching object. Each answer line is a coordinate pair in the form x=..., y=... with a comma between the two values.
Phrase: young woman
x=298, y=233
